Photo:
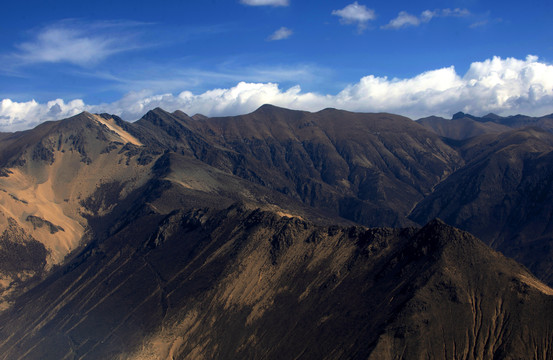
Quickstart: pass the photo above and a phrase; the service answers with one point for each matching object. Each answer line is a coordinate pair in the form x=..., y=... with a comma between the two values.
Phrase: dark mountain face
x=373, y=171
x=193, y=237
x=503, y=195
x=248, y=284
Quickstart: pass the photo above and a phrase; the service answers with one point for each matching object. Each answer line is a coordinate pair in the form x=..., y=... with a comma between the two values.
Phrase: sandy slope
x=47, y=199
x=112, y=125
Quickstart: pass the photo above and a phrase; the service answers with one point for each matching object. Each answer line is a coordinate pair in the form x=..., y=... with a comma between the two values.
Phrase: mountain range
x=277, y=234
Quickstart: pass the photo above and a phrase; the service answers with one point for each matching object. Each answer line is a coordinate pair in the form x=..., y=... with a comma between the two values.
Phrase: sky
x=228, y=57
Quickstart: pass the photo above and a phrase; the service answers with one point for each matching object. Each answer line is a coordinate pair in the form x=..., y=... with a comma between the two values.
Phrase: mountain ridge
x=398, y=268
x=234, y=237
x=464, y=126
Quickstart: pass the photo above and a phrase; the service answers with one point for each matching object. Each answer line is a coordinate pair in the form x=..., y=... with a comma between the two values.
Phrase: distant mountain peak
x=486, y=118
x=328, y=109
x=179, y=113
x=460, y=115
x=158, y=110
x=266, y=107
x=158, y=115
x=272, y=109
x=81, y=115
x=492, y=116
x=199, y=117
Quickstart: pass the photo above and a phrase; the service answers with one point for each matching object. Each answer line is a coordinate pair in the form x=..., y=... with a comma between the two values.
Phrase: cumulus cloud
x=355, y=14
x=24, y=115
x=503, y=86
x=265, y=2
x=404, y=19
x=77, y=43
x=281, y=34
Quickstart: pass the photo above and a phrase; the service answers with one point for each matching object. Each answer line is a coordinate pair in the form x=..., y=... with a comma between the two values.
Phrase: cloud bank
x=503, y=86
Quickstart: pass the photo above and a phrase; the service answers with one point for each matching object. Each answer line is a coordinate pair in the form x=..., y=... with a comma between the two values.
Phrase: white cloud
x=355, y=14
x=24, y=115
x=175, y=77
x=479, y=24
x=457, y=12
x=77, y=43
x=503, y=86
x=281, y=34
x=402, y=20
x=265, y=2
x=405, y=19
x=427, y=15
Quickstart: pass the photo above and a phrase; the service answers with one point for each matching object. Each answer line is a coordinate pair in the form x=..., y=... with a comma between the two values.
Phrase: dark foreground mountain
x=245, y=237
x=245, y=283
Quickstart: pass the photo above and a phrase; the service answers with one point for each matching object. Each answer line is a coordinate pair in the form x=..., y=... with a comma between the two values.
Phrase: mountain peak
x=81, y=115
x=272, y=109
x=158, y=111
x=158, y=115
x=199, y=117
x=267, y=107
x=460, y=115
x=180, y=114
x=436, y=237
x=328, y=110
x=436, y=229
x=492, y=116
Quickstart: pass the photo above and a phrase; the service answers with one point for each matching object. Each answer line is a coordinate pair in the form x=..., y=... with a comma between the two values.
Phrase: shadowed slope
x=370, y=168
x=469, y=303
x=503, y=195
x=245, y=283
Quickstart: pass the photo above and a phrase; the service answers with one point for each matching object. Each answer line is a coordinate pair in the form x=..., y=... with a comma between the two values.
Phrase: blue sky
x=217, y=57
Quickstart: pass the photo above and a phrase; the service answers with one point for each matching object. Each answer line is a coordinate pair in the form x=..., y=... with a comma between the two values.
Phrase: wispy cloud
x=404, y=19
x=280, y=34
x=479, y=24
x=484, y=21
x=265, y=2
x=78, y=43
x=174, y=76
x=355, y=14
x=502, y=86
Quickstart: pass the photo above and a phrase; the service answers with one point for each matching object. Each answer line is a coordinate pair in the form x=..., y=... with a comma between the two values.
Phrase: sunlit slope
x=49, y=177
